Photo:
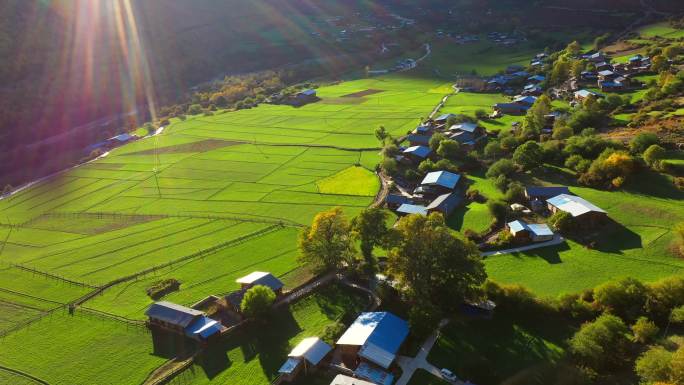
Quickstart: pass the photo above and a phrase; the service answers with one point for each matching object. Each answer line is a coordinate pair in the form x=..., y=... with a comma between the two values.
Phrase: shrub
x=664, y=296
x=625, y=298
x=515, y=193
x=654, y=365
x=390, y=165
x=642, y=141
x=574, y=306
x=424, y=318
x=501, y=183
x=333, y=332
x=162, y=288
x=528, y=156
x=679, y=239
x=257, y=302
x=644, y=330
x=481, y=114
x=474, y=195
x=498, y=209
x=653, y=156
x=679, y=183
x=194, y=109
x=677, y=315
x=562, y=222
x=449, y=149
x=493, y=150
x=436, y=140
x=501, y=167
x=600, y=344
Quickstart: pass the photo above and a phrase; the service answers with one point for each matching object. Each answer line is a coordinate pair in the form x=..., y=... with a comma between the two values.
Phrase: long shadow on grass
x=653, y=184
x=269, y=342
x=550, y=254
x=616, y=238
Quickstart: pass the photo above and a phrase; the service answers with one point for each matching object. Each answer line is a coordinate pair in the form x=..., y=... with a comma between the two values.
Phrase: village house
x=604, y=66
x=544, y=193
x=597, y=57
x=441, y=181
x=532, y=90
x=443, y=119
x=374, y=337
x=527, y=232
x=581, y=95
x=234, y=299
x=424, y=129
x=445, y=204
x=418, y=140
x=306, y=356
x=182, y=320
x=606, y=75
x=588, y=76
x=394, y=201
x=585, y=213
x=417, y=154
x=536, y=79
x=410, y=209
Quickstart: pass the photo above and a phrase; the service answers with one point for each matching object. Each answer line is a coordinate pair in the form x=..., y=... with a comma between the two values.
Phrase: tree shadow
x=266, y=341
x=616, y=238
x=550, y=254
x=457, y=218
x=653, y=184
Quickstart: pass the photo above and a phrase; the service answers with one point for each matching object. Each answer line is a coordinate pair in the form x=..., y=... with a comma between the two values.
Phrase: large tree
x=528, y=155
x=370, y=227
x=601, y=343
x=327, y=244
x=433, y=264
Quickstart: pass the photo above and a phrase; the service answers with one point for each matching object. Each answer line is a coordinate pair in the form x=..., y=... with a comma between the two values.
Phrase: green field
x=646, y=211
x=80, y=349
x=497, y=350
x=254, y=356
x=661, y=30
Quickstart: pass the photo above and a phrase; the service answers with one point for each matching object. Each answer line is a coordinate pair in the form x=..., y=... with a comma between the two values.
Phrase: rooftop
x=312, y=349
x=467, y=127
x=341, y=379
x=172, y=313
x=574, y=205
x=408, y=208
x=261, y=278
x=420, y=151
x=444, y=179
x=546, y=192
x=539, y=229
x=380, y=334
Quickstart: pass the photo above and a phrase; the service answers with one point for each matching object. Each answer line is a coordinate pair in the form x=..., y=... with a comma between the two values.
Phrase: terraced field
x=211, y=199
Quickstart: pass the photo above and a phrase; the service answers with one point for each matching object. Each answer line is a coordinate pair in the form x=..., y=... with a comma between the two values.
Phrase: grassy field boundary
x=24, y=374
x=53, y=276
x=308, y=145
x=186, y=258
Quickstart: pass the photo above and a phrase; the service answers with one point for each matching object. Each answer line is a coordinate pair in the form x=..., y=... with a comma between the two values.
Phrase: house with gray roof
x=443, y=179
x=445, y=204
x=584, y=212
x=307, y=355
x=182, y=320
x=534, y=232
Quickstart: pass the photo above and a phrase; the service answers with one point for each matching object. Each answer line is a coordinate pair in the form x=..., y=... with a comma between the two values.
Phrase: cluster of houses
x=439, y=191
x=366, y=350
x=505, y=39
x=194, y=323
x=551, y=200
x=298, y=99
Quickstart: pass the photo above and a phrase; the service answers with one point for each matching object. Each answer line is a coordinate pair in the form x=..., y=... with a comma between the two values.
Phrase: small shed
x=524, y=231
x=408, y=209
x=261, y=278
x=307, y=355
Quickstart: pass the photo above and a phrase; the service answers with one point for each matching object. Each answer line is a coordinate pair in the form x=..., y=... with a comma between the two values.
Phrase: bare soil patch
x=201, y=146
x=361, y=94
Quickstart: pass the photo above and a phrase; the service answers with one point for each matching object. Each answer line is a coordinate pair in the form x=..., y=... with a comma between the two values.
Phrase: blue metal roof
x=444, y=117
x=397, y=199
x=374, y=375
x=546, y=192
x=380, y=334
x=261, y=278
x=419, y=139
x=574, y=205
x=537, y=78
x=420, y=151
x=442, y=178
x=467, y=127
x=290, y=365
x=526, y=99
x=407, y=208
x=203, y=327
x=517, y=226
x=446, y=203
x=423, y=129
x=540, y=229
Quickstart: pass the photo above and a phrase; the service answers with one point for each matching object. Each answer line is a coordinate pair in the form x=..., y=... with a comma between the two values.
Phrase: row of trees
x=436, y=269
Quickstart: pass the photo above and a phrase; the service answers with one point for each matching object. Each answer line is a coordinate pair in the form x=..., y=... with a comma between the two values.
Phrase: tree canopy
x=327, y=244
x=257, y=302
x=433, y=264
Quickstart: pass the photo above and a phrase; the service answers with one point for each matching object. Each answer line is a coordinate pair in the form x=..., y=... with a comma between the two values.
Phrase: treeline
x=626, y=327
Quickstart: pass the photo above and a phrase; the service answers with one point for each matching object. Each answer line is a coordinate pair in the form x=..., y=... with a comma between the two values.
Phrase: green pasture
x=485, y=58
x=513, y=344
x=663, y=29
x=80, y=349
x=254, y=357
x=645, y=211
